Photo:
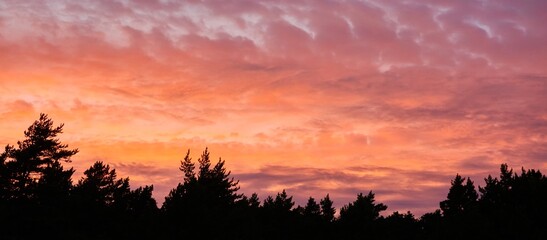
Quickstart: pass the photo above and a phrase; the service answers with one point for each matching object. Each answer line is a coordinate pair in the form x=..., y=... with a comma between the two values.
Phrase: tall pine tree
x=33, y=170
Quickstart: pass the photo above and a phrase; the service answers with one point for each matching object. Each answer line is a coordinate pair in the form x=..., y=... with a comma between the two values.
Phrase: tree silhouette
x=327, y=210
x=100, y=188
x=208, y=196
x=53, y=188
x=217, y=181
x=187, y=167
x=38, y=200
x=278, y=218
x=358, y=219
x=313, y=224
x=399, y=226
x=515, y=206
x=5, y=179
x=459, y=210
x=495, y=192
x=431, y=225
x=177, y=199
x=211, y=187
x=281, y=203
x=312, y=209
x=34, y=165
x=34, y=186
x=141, y=201
x=460, y=197
x=362, y=211
x=101, y=200
x=254, y=201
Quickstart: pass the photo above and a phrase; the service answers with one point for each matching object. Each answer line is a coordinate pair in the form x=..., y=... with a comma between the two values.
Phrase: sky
x=314, y=97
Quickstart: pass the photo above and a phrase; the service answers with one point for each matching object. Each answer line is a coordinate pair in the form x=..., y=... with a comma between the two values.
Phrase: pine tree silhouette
x=327, y=210
x=362, y=211
x=460, y=197
x=39, y=154
x=312, y=209
x=39, y=200
x=208, y=196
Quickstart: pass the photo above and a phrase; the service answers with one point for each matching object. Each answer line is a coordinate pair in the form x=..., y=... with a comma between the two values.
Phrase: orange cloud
x=315, y=98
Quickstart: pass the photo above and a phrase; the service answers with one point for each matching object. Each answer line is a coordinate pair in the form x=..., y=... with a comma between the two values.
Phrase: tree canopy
x=33, y=166
x=39, y=199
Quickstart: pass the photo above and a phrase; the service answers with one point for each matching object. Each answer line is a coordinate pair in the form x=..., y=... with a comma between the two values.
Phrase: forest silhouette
x=40, y=200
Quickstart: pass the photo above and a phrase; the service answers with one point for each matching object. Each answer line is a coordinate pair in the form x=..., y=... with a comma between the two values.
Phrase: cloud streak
x=408, y=87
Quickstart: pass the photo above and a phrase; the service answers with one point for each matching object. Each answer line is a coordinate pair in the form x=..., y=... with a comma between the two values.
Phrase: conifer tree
x=327, y=210
x=211, y=187
x=363, y=210
x=254, y=201
x=312, y=209
x=281, y=203
x=101, y=188
x=34, y=166
x=460, y=197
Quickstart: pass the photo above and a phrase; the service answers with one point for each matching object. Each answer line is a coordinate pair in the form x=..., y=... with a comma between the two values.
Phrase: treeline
x=39, y=200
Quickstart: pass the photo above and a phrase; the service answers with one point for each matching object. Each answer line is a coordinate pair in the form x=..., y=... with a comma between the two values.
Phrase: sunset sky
x=314, y=97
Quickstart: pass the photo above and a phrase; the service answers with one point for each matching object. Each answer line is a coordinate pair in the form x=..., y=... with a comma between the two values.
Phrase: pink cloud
x=421, y=86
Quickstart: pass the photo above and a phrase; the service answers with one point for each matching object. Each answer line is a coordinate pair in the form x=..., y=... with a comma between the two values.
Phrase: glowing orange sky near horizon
x=313, y=97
